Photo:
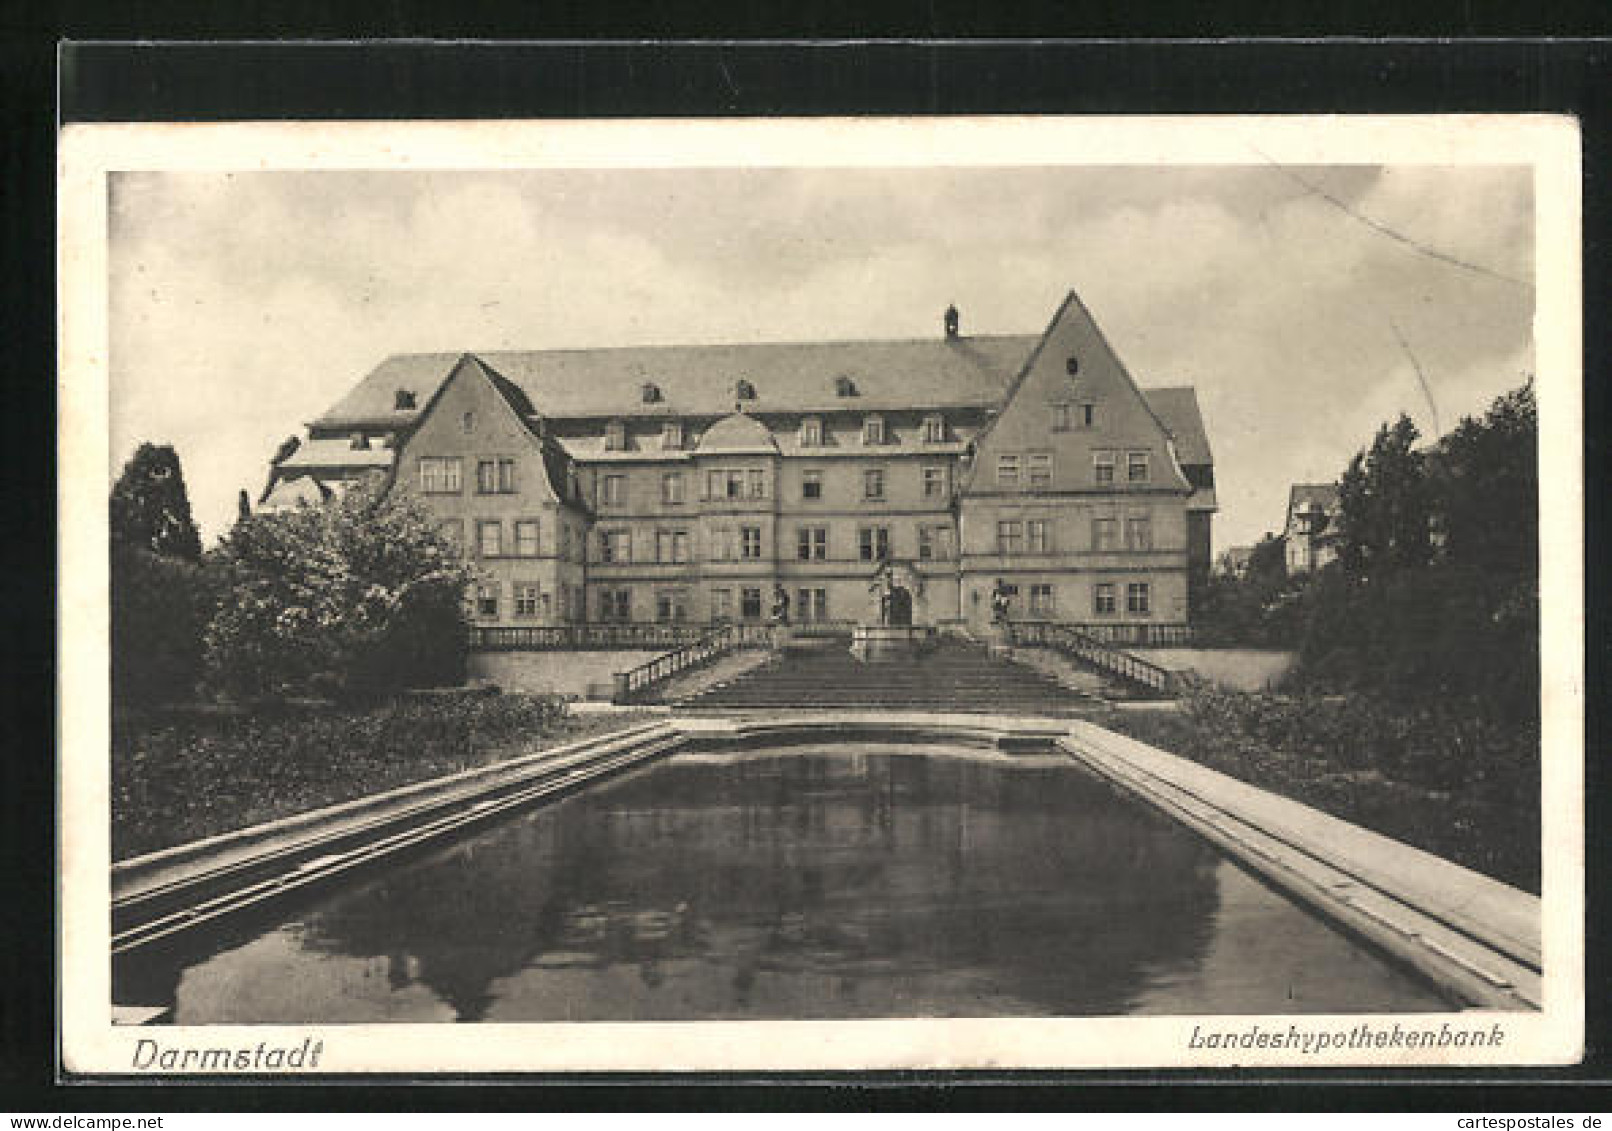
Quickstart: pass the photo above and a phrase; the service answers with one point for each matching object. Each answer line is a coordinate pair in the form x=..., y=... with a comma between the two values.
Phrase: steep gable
x=471, y=415
x=1122, y=419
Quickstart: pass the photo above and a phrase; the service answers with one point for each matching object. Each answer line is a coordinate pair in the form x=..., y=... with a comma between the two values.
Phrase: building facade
x=688, y=484
x=1310, y=533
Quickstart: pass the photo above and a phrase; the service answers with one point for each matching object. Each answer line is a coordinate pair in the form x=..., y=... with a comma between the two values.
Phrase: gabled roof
x=700, y=380
x=338, y=454
x=1177, y=407
x=1321, y=495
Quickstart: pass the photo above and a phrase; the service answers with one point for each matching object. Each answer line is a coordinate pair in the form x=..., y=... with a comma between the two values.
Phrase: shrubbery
x=159, y=607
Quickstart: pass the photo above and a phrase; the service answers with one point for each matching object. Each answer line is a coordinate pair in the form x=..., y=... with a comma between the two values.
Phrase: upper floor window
x=873, y=543
x=724, y=544
x=468, y=423
x=811, y=484
x=873, y=483
x=1063, y=417
x=811, y=432
x=725, y=483
x=452, y=531
x=1104, y=534
x=1009, y=537
x=811, y=543
x=495, y=476
x=756, y=479
x=490, y=539
x=671, y=488
x=441, y=476
x=671, y=546
x=750, y=542
x=934, y=543
x=1139, y=532
x=616, y=436
x=1007, y=471
x=1038, y=532
x=934, y=430
x=1102, y=467
x=526, y=538
x=671, y=435
x=1137, y=468
x=1038, y=469
x=615, y=546
x=873, y=430
x=1088, y=415
x=934, y=482
x=612, y=490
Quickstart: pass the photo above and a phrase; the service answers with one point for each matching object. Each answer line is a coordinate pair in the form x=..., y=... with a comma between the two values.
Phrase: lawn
x=180, y=779
x=1443, y=778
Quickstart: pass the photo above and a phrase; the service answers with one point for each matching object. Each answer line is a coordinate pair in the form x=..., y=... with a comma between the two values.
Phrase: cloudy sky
x=243, y=305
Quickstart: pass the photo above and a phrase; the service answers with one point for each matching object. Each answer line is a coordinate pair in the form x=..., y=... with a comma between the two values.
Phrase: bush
x=159, y=608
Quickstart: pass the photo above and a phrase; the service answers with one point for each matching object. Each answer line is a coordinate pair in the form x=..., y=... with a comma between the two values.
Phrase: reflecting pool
x=813, y=882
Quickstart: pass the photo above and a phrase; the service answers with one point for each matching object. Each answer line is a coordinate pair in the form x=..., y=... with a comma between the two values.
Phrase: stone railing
x=1140, y=674
x=634, y=684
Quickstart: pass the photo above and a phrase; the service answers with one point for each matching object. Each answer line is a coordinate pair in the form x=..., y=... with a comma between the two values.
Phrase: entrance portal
x=900, y=615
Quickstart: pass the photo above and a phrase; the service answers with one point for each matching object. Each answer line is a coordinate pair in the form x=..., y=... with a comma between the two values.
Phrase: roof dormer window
x=616, y=436
x=844, y=386
x=811, y=432
x=649, y=392
x=934, y=429
x=402, y=400
x=671, y=435
x=743, y=390
x=873, y=430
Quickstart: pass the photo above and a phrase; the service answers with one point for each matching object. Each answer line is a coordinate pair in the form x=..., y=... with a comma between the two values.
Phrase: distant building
x=684, y=483
x=1233, y=562
x=1311, y=530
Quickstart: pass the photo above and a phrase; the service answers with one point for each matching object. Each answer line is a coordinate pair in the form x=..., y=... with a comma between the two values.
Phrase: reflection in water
x=814, y=883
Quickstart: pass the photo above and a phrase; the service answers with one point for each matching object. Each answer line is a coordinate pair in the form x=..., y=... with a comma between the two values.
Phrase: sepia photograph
x=1021, y=592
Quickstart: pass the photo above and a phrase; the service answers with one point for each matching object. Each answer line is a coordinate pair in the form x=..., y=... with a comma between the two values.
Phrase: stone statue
x=999, y=602
x=780, y=605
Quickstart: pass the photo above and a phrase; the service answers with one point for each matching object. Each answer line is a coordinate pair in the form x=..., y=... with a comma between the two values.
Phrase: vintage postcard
x=754, y=595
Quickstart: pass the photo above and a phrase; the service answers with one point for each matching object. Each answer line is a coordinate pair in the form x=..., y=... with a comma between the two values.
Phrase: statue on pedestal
x=780, y=605
x=999, y=602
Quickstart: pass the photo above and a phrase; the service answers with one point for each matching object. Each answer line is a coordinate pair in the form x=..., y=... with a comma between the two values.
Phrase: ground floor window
x=671, y=605
x=615, y=604
x=721, y=604
x=750, y=604
x=1102, y=599
x=1138, y=597
x=873, y=543
x=811, y=605
x=487, y=599
x=526, y=600
x=1042, y=602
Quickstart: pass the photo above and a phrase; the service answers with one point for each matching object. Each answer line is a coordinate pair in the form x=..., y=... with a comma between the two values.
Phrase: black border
x=194, y=81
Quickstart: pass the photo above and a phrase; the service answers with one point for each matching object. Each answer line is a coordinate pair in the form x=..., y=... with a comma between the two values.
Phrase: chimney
x=951, y=321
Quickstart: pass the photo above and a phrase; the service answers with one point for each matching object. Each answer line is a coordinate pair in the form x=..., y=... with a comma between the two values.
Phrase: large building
x=685, y=483
x=1310, y=532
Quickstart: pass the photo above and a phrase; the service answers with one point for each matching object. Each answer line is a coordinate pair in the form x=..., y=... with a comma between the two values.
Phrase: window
x=1063, y=417
x=811, y=432
x=1041, y=600
x=750, y=542
x=616, y=436
x=565, y=540
x=671, y=435
x=1038, y=466
x=671, y=546
x=440, y=476
x=671, y=605
x=1136, y=467
x=873, y=483
x=757, y=480
x=526, y=538
x=873, y=430
x=615, y=546
x=934, y=482
x=724, y=544
x=612, y=490
x=811, y=605
x=487, y=599
x=873, y=543
x=1009, y=537
x=750, y=604
x=1088, y=415
x=490, y=539
x=725, y=483
x=934, y=543
x=811, y=543
x=1007, y=471
x=615, y=604
x=1102, y=466
x=721, y=604
x=1139, y=532
x=671, y=488
x=934, y=430
x=452, y=531
x=1138, y=598
x=1102, y=599
x=811, y=484
x=844, y=386
x=468, y=423
x=1038, y=533
x=526, y=600
x=1105, y=534
x=495, y=476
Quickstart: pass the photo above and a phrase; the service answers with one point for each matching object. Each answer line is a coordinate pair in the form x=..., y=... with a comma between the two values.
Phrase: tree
x=358, y=595
x=1486, y=481
x=150, y=508
x=1383, y=498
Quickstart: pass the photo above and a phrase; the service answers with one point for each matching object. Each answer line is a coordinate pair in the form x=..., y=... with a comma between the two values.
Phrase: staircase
x=953, y=676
